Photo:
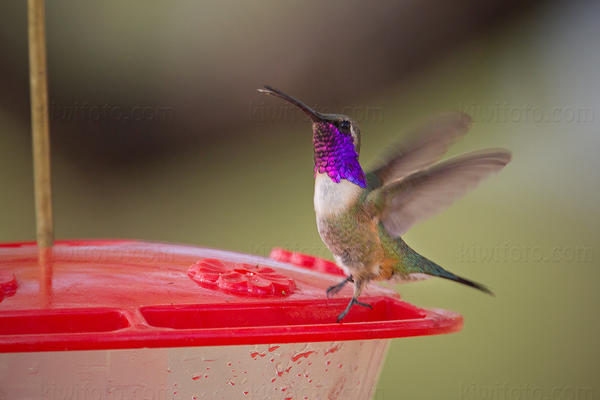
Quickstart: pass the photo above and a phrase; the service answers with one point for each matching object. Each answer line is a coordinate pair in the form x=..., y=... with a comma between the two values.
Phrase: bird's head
x=336, y=142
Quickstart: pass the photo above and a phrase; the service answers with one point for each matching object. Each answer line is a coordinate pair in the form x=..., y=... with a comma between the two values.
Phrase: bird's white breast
x=333, y=198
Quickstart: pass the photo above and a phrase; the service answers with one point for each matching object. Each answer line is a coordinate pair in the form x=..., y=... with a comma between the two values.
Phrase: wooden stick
x=39, y=123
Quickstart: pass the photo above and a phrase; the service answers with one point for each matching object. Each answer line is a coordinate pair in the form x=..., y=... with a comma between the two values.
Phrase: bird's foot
x=333, y=290
x=354, y=301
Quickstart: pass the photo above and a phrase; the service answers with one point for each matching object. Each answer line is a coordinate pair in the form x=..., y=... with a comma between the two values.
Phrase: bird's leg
x=333, y=290
x=358, y=286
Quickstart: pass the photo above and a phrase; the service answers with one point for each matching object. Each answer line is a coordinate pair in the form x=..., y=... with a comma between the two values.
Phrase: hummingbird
x=362, y=216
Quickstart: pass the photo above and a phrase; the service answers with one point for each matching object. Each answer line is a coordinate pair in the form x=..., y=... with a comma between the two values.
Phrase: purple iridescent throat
x=335, y=155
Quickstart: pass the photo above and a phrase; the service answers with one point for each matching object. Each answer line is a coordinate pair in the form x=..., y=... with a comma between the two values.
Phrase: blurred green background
x=158, y=133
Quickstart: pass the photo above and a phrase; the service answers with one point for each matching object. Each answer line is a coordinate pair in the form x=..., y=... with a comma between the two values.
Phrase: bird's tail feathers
x=423, y=265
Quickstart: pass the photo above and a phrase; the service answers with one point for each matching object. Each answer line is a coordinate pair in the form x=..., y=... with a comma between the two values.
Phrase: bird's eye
x=345, y=126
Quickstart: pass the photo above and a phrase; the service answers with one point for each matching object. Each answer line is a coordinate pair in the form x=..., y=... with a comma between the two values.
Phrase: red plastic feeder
x=139, y=320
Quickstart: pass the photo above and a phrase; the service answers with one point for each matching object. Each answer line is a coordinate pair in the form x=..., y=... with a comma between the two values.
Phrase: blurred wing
x=427, y=192
x=427, y=145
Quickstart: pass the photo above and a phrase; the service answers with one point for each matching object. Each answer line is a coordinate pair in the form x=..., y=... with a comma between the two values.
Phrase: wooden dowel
x=39, y=123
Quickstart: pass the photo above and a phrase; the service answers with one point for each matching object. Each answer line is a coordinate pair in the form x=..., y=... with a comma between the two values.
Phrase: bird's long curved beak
x=313, y=115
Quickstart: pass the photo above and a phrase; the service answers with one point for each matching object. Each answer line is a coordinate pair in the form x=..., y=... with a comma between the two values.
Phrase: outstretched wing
x=426, y=146
x=424, y=193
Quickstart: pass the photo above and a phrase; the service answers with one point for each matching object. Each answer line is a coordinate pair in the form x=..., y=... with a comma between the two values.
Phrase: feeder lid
x=90, y=294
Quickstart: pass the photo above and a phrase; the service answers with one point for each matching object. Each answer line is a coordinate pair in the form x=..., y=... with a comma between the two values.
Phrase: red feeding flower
x=8, y=285
x=240, y=278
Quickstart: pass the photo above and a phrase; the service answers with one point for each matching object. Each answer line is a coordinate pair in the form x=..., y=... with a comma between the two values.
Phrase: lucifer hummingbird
x=360, y=217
